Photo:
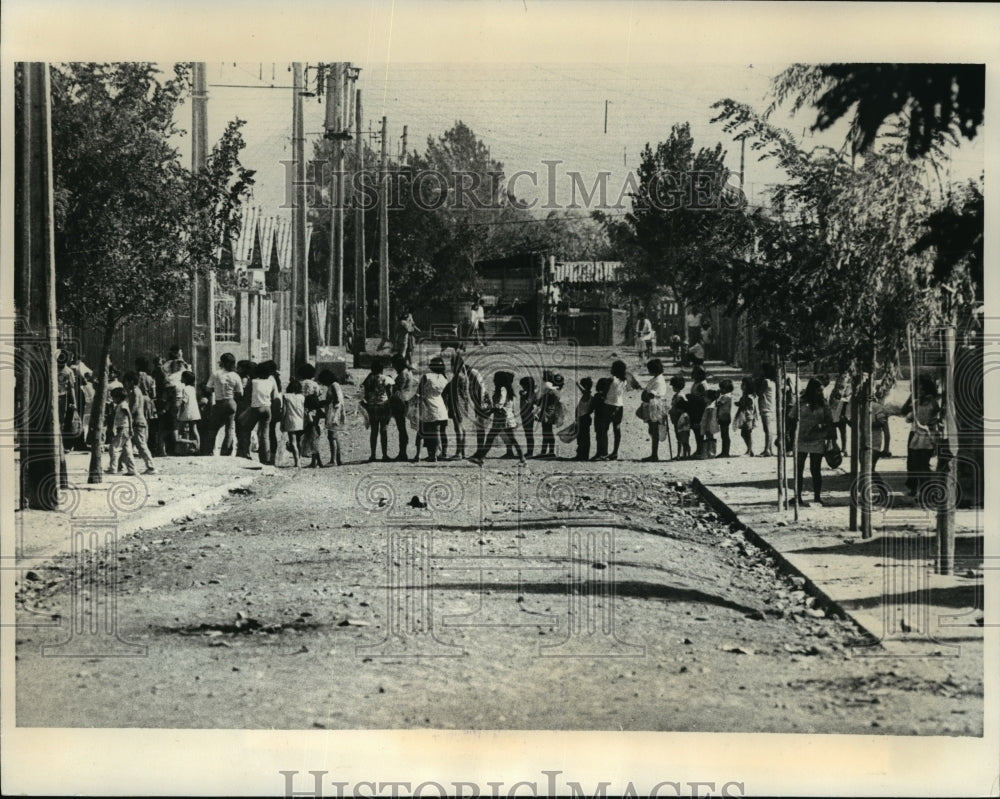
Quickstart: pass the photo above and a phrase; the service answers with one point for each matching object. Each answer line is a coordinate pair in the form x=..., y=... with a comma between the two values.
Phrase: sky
x=526, y=113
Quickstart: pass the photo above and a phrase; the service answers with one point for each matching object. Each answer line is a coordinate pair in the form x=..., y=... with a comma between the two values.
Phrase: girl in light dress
x=293, y=412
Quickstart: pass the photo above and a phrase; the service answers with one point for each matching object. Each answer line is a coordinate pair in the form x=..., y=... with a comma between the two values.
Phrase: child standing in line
x=746, y=414
x=683, y=429
x=724, y=413
x=551, y=412
x=583, y=419
x=311, y=433
x=189, y=414
x=336, y=416
x=602, y=418
x=293, y=413
x=709, y=424
x=527, y=399
x=696, y=407
x=677, y=383
x=121, y=445
x=506, y=411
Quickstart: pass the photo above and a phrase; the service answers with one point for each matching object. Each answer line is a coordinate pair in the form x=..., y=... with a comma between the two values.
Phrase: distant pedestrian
x=644, y=337
x=405, y=338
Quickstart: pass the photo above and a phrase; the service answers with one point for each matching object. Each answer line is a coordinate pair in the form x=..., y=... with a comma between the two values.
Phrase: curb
x=824, y=600
x=130, y=523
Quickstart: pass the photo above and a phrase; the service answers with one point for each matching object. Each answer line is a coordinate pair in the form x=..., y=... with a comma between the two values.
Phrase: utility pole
x=334, y=324
x=360, y=300
x=300, y=277
x=201, y=332
x=403, y=159
x=945, y=561
x=383, y=256
x=42, y=457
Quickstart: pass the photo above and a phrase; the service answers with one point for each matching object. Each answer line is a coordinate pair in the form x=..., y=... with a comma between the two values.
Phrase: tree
x=687, y=229
x=132, y=222
x=939, y=100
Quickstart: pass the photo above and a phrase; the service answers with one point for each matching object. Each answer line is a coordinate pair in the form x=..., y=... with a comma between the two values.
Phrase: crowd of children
x=156, y=409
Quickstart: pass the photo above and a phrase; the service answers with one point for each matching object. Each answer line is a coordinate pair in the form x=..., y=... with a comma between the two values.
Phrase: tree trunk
x=97, y=409
x=855, y=425
x=865, y=476
x=795, y=456
x=779, y=434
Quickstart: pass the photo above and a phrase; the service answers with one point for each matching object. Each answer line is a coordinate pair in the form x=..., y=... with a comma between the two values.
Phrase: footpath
x=182, y=486
x=886, y=583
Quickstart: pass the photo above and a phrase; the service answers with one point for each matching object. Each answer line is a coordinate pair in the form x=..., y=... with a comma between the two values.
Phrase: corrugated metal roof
x=272, y=234
x=587, y=271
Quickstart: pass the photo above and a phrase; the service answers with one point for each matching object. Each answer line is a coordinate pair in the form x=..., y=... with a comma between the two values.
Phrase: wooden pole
x=336, y=260
x=855, y=425
x=945, y=560
x=383, y=256
x=300, y=276
x=58, y=455
x=795, y=457
x=360, y=300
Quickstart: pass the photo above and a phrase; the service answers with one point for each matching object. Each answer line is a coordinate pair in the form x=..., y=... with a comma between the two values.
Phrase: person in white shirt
x=644, y=337
x=263, y=390
x=653, y=406
x=226, y=388
x=611, y=411
x=477, y=318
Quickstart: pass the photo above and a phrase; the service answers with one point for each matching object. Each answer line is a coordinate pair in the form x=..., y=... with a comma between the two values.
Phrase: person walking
x=505, y=411
x=815, y=429
x=405, y=338
x=121, y=439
